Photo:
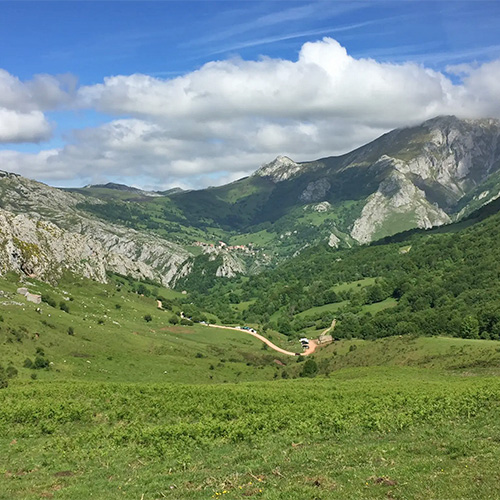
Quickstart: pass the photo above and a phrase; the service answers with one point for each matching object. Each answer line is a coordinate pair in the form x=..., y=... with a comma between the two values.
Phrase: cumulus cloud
x=228, y=117
x=324, y=81
x=43, y=92
x=22, y=105
x=23, y=127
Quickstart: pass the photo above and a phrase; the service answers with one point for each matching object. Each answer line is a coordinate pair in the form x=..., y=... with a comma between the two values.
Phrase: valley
x=164, y=359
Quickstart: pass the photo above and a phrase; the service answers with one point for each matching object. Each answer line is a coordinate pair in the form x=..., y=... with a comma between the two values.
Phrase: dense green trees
x=445, y=283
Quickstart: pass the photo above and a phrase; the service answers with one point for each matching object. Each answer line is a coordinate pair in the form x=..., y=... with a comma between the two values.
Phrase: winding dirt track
x=312, y=343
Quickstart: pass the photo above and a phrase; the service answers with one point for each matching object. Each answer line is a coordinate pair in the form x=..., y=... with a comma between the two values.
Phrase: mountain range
x=416, y=177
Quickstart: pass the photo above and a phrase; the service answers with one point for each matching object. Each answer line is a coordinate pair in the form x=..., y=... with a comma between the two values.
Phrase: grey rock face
x=315, y=191
x=397, y=197
x=231, y=264
x=44, y=233
x=280, y=169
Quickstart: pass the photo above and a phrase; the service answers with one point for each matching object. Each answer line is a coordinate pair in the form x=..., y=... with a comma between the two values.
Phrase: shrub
x=118, y=306
x=173, y=320
x=148, y=318
x=64, y=307
x=310, y=368
x=40, y=363
x=28, y=363
x=3, y=378
x=71, y=331
x=11, y=371
x=48, y=300
x=186, y=322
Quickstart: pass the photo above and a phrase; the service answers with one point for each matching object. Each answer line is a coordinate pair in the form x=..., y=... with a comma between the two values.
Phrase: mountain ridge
x=414, y=177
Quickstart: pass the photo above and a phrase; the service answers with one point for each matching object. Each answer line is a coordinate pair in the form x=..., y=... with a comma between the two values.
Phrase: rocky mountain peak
x=280, y=169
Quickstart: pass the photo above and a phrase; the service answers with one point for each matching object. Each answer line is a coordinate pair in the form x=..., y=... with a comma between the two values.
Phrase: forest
x=442, y=282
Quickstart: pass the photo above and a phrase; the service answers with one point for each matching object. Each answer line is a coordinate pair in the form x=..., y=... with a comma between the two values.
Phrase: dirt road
x=311, y=349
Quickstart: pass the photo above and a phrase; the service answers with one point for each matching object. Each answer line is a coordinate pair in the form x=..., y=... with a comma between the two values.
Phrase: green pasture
x=362, y=433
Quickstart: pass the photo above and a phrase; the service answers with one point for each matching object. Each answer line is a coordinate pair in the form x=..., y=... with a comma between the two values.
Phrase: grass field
x=111, y=340
x=334, y=307
x=362, y=433
x=138, y=409
x=313, y=311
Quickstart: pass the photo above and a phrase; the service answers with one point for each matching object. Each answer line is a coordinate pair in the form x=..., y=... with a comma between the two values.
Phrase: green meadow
x=120, y=406
x=361, y=433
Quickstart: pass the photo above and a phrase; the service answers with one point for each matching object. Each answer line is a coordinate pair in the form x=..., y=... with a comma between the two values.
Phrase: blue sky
x=98, y=123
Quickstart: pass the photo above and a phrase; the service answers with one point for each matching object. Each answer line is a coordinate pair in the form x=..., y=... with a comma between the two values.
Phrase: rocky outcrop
x=315, y=191
x=43, y=233
x=279, y=170
x=231, y=264
x=396, y=206
x=43, y=250
x=333, y=240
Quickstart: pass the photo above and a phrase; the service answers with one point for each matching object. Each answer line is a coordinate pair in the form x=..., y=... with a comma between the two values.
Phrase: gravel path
x=312, y=343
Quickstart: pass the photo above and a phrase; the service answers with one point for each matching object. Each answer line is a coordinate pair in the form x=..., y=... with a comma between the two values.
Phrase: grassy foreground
x=386, y=432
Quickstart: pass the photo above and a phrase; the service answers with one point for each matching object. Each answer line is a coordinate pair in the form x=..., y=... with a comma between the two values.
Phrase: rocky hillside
x=420, y=176
x=43, y=233
x=415, y=177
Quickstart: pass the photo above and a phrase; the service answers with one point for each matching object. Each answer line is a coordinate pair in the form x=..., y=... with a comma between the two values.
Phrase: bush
x=63, y=306
x=173, y=320
x=148, y=318
x=118, y=306
x=48, y=300
x=3, y=378
x=40, y=363
x=11, y=371
x=186, y=322
x=310, y=368
x=71, y=331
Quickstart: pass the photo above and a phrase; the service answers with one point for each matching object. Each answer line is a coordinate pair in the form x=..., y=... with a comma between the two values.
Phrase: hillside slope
x=421, y=176
x=416, y=177
x=43, y=233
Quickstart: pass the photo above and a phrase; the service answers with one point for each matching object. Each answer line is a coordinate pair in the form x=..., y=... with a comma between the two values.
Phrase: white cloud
x=23, y=127
x=324, y=81
x=228, y=117
x=43, y=92
x=22, y=105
